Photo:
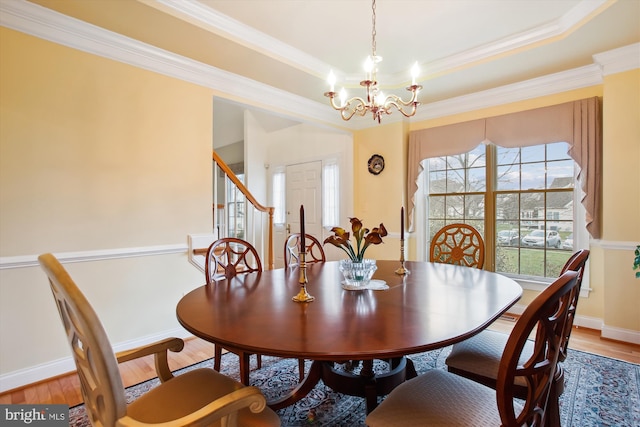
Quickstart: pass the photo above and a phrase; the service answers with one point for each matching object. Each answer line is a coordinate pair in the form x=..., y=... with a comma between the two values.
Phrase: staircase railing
x=241, y=216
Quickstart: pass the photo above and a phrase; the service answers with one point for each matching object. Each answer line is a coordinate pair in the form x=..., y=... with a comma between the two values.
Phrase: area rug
x=599, y=391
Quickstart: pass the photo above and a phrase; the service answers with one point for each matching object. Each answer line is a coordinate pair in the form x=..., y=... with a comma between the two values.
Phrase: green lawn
x=531, y=262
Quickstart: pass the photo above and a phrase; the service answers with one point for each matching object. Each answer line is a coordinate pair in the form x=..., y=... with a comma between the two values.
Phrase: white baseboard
x=608, y=332
x=66, y=365
x=620, y=334
x=589, y=322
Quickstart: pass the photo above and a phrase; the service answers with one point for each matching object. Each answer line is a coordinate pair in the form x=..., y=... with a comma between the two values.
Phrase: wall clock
x=376, y=164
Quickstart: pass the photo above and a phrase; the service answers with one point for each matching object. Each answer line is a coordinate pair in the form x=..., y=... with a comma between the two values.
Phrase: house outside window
x=521, y=200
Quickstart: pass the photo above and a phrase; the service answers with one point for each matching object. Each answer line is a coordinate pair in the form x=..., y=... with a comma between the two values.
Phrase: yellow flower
x=364, y=237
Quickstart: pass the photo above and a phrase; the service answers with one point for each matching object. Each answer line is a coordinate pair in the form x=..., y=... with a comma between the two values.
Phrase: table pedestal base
x=366, y=384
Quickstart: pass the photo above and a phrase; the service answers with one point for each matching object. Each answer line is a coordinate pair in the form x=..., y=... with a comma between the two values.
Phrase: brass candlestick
x=303, y=295
x=402, y=270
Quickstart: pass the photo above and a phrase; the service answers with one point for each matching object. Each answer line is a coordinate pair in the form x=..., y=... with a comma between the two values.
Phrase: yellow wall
x=621, y=189
x=621, y=198
x=99, y=149
x=96, y=155
x=379, y=198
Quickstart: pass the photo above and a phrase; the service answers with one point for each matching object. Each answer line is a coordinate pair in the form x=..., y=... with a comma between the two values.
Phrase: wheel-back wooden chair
x=198, y=397
x=314, y=253
x=226, y=258
x=439, y=397
x=458, y=244
x=229, y=256
x=479, y=357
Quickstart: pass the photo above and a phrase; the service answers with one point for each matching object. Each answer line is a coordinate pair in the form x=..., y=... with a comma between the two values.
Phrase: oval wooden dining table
x=433, y=306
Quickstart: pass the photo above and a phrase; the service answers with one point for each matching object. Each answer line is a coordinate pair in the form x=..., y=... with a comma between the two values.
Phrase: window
x=235, y=209
x=521, y=200
x=457, y=188
x=279, y=198
x=330, y=195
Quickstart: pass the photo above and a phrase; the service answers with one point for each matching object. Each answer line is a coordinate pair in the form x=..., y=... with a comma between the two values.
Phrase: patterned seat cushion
x=481, y=354
x=438, y=398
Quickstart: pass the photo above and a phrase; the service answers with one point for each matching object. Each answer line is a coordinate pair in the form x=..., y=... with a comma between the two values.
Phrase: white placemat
x=374, y=284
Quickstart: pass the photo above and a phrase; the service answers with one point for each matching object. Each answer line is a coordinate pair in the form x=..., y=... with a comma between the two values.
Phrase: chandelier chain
x=373, y=31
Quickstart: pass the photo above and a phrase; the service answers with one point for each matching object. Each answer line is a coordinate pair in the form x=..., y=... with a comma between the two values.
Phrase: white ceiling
x=462, y=46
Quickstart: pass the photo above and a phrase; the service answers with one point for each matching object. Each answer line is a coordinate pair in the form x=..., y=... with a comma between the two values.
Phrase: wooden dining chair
x=314, y=253
x=439, y=397
x=197, y=397
x=229, y=256
x=226, y=258
x=458, y=244
x=479, y=357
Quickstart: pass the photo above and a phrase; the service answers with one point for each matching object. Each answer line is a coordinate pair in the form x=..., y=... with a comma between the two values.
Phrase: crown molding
x=32, y=19
x=619, y=60
x=519, y=41
x=219, y=23
x=534, y=88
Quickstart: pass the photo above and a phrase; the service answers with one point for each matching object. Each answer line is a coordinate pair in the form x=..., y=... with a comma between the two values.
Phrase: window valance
x=579, y=123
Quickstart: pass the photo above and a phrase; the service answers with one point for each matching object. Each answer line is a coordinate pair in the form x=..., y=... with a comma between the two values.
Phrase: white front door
x=303, y=187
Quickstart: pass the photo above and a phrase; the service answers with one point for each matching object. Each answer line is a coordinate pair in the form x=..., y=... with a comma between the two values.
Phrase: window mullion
x=490, y=209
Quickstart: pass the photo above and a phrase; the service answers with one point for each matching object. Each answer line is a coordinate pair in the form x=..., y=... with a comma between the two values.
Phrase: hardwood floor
x=66, y=389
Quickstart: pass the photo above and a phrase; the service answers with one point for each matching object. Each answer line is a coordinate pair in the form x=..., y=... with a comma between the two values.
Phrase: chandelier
x=376, y=102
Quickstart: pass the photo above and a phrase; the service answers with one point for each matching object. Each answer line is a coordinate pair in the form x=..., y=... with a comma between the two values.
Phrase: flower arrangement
x=636, y=261
x=364, y=238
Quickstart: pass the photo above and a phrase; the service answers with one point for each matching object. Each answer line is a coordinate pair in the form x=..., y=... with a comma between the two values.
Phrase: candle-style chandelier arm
x=350, y=108
x=397, y=102
x=397, y=106
x=414, y=96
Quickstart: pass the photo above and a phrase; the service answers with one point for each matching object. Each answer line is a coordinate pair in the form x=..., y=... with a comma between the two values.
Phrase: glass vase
x=357, y=273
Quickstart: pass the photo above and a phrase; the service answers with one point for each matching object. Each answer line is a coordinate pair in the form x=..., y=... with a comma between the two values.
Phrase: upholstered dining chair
x=439, y=397
x=479, y=357
x=226, y=258
x=458, y=244
x=198, y=397
x=315, y=252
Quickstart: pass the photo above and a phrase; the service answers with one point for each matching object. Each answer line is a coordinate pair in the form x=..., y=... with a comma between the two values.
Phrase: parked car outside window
x=508, y=237
x=567, y=245
x=537, y=239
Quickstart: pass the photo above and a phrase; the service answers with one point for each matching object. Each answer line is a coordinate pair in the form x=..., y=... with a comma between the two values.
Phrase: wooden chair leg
x=552, y=412
x=259, y=361
x=216, y=357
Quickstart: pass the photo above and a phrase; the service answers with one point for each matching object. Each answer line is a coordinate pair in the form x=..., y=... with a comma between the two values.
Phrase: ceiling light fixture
x=376, y=102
